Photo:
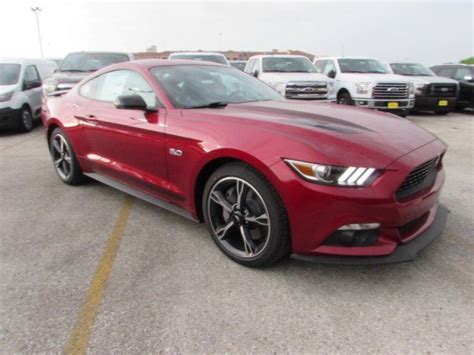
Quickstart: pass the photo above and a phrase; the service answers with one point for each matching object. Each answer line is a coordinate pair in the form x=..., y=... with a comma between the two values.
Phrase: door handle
x=91, y=119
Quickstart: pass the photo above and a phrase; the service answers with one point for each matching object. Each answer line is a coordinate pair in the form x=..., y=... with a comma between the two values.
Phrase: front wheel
x=25, y=122
x=344, y=98
x=245, y=216
x=64, y=158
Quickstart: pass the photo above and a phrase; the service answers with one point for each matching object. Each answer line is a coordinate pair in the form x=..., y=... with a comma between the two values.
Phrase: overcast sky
x=424, y=31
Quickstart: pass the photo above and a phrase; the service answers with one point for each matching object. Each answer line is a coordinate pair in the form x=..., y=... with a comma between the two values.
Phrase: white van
x=20, y=91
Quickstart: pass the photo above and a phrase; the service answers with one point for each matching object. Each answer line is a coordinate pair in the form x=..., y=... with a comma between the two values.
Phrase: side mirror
x=132, y=102
x=332, y=74
x=255, y=73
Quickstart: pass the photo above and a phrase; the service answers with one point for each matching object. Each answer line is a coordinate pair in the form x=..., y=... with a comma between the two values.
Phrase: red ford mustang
x=269, y=176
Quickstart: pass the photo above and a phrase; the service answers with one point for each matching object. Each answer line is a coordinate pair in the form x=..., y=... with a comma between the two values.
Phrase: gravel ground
x=171, y=290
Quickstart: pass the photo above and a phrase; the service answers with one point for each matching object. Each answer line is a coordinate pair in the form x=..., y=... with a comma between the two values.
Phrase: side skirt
x=141, y=195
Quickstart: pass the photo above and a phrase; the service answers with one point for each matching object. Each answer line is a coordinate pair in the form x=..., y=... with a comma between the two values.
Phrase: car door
x=466, y=85
x=123, y=144
x=32, y=88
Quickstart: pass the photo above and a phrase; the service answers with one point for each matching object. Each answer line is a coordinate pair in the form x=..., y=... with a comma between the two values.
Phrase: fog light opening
x=354, y=235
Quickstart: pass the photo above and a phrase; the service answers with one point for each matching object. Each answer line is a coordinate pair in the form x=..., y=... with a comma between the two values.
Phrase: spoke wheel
x=26, y=123
x=62, y=156
x=238, y=217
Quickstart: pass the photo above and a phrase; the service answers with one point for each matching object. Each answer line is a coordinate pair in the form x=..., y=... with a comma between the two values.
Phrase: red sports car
x=268, y=176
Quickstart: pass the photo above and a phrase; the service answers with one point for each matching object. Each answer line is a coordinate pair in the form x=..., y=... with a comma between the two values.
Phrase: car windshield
x=362, y=66
x=87, y=62
x=9, y=73
x=288, y=65
x=411, y=69
x=204, y=57
x=194, y=86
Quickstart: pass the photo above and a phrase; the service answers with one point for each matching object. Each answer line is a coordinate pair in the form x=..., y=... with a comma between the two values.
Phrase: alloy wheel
x=62, y=157
x=238, y=217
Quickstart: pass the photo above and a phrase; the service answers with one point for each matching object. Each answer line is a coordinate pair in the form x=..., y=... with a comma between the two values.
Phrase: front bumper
x=433, y=103
x=385, y=105
x=9, y=117
x=316, y=212
x=404, y=252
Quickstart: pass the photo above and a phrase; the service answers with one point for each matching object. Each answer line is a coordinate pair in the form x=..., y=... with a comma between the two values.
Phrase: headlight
x=411, y=88
x=334, y=175
x=363, y=87
x=6, y=96
x=331, y=87
x=48, y=87
x=419, y=87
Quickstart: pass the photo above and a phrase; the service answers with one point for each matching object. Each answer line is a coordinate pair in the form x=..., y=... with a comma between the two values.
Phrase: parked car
x=239, y=64
x=432, y=93
x=269, y=176
x=76, y=66
x=464, y=75
x=293, y=76
x=20, y=91
x=203, y=56
x=367, y=82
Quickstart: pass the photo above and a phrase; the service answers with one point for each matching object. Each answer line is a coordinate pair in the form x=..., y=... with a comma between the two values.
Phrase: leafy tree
x=469, y=60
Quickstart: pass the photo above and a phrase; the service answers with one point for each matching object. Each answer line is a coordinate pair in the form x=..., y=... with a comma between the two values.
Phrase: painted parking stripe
x=81, y=333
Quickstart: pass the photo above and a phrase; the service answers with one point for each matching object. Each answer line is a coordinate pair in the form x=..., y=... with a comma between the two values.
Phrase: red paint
x=132, y=147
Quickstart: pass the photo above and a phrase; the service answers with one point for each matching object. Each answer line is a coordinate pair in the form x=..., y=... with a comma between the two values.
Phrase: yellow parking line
x=80, y=334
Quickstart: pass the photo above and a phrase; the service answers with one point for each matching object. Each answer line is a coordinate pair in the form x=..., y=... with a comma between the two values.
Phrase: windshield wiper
x=216, y=104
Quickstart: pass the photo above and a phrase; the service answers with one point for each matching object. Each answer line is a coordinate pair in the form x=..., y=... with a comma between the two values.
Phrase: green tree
x=469, y=60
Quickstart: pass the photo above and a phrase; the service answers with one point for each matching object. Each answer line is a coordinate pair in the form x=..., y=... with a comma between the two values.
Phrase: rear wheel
x=344, y=98
x=26, y=122
x=245, y=216
x=64, y=158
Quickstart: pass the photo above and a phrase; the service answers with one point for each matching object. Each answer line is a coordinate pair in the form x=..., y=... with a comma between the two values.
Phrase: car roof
x=152, y=63
x=98, y=52
x=26, y=61
x=343, y=57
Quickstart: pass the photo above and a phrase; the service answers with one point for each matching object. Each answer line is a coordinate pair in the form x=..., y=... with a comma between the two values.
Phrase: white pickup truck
x=293, y=76
x=367, y=82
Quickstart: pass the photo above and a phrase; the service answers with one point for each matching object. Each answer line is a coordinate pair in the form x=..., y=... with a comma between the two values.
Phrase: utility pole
x=37, y=10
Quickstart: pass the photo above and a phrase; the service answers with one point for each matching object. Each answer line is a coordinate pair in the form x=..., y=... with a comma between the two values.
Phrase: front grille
x=442, y=90
x=419, y=179
x=306, y=89
x=390, y=91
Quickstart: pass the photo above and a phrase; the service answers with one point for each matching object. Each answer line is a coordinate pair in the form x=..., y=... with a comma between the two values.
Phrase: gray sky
x=424, y=31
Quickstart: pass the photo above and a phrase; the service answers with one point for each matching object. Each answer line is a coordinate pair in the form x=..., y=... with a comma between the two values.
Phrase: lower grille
x=306, y=89
x=390, y=91
x=419, y=179
x=442, y=90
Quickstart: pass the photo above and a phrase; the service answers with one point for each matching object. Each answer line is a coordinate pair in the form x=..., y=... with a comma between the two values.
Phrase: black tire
x=73, y=175
x=402, y=113
x=441, y=113
x=25, y=120
x=277, y=241
x=344, y=98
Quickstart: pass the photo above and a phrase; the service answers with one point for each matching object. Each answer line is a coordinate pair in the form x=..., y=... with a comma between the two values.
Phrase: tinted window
x=330, y=66
x=238, y=65
x=461, y=73
x=362, y=66
x=9, y=73
x=109, y=86
x=446, y=72
x=189, y=86
x=84, y=62
x=204, y=57
x=288, y=65
x=411, y=69
x=31, y=74
x=320, y=65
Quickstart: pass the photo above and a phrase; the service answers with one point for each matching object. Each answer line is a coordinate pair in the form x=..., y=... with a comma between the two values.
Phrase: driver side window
x=32, y=78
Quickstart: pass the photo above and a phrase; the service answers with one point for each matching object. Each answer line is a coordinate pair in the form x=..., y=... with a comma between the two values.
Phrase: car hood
x=69, y=77
x=386, y=78
x=430, y=79
x=7, y=88
x=338, y=134
x=286, y=77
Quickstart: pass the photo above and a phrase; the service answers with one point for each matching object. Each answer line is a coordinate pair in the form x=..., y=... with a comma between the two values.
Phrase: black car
x=464, y=74
x=432, y=93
